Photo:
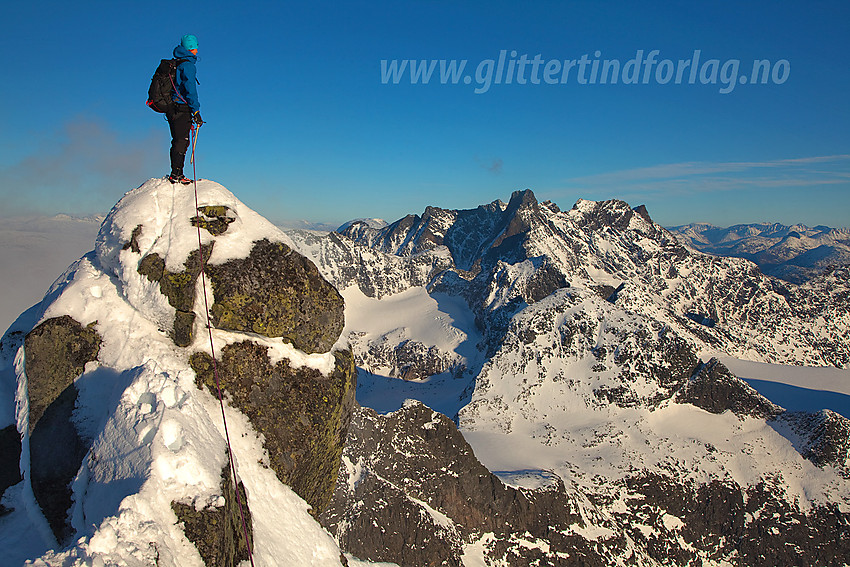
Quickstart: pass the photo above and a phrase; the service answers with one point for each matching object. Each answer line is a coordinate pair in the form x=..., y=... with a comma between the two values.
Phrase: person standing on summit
x=186, y=108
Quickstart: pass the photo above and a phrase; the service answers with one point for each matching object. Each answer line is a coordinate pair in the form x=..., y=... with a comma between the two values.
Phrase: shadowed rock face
x=56, y=353
x=715, y=389
x=276, y=292
x=217, y=531
x=302, y=415
x=823, y=437
x=412, y=492
x=10, y=456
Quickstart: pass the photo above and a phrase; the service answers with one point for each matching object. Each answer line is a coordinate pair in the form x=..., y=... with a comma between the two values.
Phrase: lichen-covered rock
x=217, y=531
x=57, y=351
x=302, y=415
x=214, y=218
x=179, y=288
x=276, y=292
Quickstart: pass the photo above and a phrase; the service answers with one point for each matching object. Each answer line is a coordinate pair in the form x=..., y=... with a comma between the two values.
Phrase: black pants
x=180, y=123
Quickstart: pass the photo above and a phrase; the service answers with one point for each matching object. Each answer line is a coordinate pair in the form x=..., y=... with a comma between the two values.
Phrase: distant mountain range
x=576, y=353
x=794, y=253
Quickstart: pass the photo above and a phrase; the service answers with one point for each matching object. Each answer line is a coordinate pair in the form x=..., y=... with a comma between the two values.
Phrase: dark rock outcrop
x=715, y=389
x=276, y=292
x=824, y=437
x=10, y=456
x=179, y=288
x=57, y=351
x=722, y=520
x=215, y=219
x=218, y=532
x=302, y=414
x=413, y=493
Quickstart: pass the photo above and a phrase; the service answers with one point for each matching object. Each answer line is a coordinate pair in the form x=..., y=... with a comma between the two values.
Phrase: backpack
x=161, y=91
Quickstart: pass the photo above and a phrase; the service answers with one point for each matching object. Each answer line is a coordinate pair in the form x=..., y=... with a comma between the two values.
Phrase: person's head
x=190, y=42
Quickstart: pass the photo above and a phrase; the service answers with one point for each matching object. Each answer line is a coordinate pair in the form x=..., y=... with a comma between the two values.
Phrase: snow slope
x=438, y=320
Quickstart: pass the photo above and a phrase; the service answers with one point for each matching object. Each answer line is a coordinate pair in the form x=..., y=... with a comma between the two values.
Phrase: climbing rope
x=215, y=364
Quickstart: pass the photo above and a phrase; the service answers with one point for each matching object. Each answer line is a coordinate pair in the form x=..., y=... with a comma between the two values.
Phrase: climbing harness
x=194, y=135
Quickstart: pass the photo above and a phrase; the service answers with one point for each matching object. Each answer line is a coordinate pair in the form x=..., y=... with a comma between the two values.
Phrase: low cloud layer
x=81, y=168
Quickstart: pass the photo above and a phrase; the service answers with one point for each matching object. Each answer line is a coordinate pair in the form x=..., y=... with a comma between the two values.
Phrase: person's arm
x=190, y=85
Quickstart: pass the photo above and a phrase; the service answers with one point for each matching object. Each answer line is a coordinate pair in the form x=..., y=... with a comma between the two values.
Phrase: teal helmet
x=189, y=41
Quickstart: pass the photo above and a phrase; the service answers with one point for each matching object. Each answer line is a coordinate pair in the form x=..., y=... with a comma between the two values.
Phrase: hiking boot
x=179, y=178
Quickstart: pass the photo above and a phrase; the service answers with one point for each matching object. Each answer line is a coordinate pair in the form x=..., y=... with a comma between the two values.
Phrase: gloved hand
x=196, y=118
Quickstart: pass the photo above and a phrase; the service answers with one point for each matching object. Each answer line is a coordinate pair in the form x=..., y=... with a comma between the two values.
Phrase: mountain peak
x=116, y=391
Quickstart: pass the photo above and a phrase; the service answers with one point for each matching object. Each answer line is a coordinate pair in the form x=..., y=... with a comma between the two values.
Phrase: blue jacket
x=187, y=87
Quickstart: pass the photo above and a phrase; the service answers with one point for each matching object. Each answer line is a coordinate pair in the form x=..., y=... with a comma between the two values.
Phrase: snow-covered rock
x=124, y=449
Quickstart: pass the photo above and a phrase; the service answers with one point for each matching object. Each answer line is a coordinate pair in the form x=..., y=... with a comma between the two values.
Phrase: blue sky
x=300, y=124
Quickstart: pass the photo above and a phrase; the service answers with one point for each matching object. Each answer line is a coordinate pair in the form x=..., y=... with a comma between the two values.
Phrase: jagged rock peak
x=593, y=215
x=467, y=233
x=472, y=234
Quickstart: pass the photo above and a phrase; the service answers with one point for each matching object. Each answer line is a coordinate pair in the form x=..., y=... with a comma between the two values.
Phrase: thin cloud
x=82, y=168
x=494, y=166
x=690, y=177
